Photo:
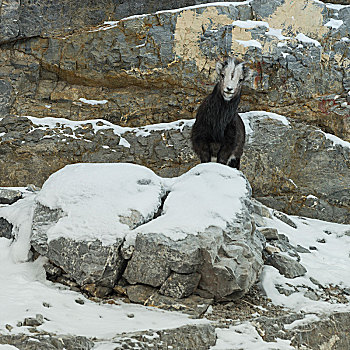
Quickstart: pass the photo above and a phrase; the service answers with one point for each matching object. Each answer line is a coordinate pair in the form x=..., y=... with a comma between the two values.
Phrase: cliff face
x=158, y=67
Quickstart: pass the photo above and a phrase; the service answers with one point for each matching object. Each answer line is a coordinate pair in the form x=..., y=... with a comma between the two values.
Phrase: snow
x=82, y=190
x=329, y=264
x=101, y=124
x=213, y=195
x=245, y=336
x=250, y=43
x=334, y=23
x=249, y=24
x=93, y=102
x=277, y=33
x=27, y=290
x=264, y=115
x=305, y=39
x=335, y=139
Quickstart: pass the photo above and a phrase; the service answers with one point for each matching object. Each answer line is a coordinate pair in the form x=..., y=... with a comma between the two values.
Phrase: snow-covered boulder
x=102, y=222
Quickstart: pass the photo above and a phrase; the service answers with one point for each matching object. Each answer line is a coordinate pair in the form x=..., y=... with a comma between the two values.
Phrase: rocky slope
x=157, y=67
x=297, y=168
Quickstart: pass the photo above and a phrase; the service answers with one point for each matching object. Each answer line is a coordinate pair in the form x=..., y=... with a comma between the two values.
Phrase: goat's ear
x=219, y=65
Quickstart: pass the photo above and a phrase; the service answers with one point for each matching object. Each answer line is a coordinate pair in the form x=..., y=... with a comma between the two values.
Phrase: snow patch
x=249, y=24
x=305, y=39
x=334, y=23
x=245, y=336
x=93, y=102
x=250, y=43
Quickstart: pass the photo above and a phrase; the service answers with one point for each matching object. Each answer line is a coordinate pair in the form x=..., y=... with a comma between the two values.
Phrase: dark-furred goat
x=218, y=134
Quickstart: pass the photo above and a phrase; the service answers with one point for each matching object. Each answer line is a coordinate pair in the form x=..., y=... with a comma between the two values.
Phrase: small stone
x=32, y=188
x=301, y=249
x=19, y=324
x=311, y=295
x=180, y=285
x=80, y=301
x=130, y=315
x=6, y=229
x=271, y=249
x=313, y=247
x=284, y=218
x=270, y=233
x=9, y=327
x=45, y=304
x=321, y=240
x=8, y=196
x=34, y=322
x=286, y=266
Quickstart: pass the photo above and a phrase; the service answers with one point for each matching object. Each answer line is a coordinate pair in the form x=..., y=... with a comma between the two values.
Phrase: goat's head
x=231, y=73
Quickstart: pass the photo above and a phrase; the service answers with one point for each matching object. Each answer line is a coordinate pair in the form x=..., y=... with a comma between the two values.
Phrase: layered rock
x=99, y=222
x=158, y=67
x=292, y=167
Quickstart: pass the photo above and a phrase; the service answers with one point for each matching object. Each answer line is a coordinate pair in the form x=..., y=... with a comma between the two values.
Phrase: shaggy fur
x=218, y=133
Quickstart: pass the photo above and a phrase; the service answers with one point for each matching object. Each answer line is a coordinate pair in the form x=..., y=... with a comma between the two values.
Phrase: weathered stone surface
x=297, y=169
x=85, y=262
x=6, y=229
x=269, y=233
x=287, y=266
x=8, y=196
x=329, y=332
x=199, y=337
x=47, y=342
x=158, y=67
x=180, y=285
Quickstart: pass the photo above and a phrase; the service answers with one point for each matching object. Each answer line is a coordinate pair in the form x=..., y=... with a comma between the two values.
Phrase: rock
x=180, y=285
x=297, y=155
x=157, y=253
x=276, y=159
x=287, y=266
x=269, y=233
x=86, y=262
x=34, y=322
x=47, y=342
x=313, y=332
x=283, y=217
x=201, y=336
x=8, y=196
x=177, y=246
x=157, y=67
x=6, y=229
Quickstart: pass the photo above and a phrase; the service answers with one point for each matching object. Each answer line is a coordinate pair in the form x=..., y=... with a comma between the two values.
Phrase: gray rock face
x=86, y=262
x=6, y=229
x=297, y=169
x=223, y=259
x=47, y=342
x=287, y=266
x=8, y=196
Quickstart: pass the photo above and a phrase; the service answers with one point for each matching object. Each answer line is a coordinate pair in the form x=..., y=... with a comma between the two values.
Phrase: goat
x=218, y=134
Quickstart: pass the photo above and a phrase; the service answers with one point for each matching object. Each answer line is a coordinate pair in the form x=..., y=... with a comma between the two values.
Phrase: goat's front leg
x=202, y=149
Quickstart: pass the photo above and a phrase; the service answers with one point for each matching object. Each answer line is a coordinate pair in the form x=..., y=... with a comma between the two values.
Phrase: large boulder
x=157, y=67
x=99, y=222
